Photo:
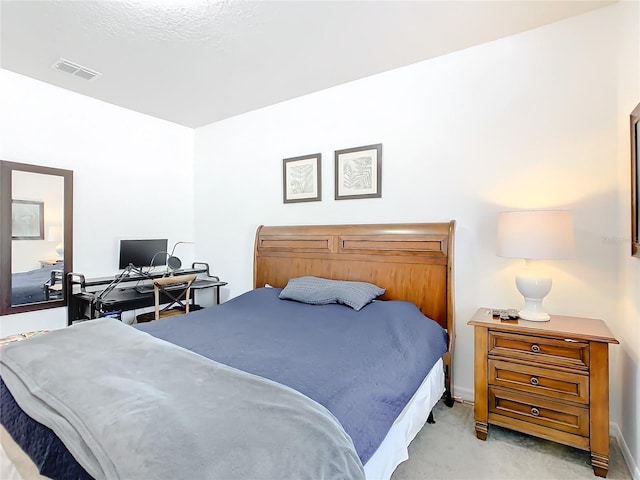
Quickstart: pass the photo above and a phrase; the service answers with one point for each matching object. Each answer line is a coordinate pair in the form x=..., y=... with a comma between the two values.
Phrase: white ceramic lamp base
x=534, y=283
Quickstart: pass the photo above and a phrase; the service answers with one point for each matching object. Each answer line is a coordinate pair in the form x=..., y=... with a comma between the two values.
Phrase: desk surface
x=204, y=283
x=91, y=282
x=130, y=294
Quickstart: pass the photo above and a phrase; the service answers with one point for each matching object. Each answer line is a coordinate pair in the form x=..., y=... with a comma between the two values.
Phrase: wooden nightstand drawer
x=536, y=410
x=547, y=351
x=554, y=384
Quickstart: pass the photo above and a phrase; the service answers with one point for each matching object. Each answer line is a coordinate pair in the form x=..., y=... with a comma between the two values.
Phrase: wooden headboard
x=413, y=262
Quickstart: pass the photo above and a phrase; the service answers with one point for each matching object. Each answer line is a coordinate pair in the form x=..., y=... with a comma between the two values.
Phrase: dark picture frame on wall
x=635, y=181
x=301, y=179
x=358, y=172
x=27, y=220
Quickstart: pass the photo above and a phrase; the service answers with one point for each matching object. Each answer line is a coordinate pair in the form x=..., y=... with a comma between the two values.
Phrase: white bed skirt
x=394, y=448
x=16, y=465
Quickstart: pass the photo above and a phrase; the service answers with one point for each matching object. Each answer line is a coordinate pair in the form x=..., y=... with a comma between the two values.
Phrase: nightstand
x=547, y=379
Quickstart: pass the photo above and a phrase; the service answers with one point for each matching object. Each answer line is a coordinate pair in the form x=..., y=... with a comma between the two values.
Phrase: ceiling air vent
x=74, y=69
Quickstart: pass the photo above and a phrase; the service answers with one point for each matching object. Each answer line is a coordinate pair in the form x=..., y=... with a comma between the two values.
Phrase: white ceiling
x=194, y=62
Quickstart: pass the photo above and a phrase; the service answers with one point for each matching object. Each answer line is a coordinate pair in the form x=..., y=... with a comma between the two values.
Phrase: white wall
x=125, y=165
x=531, y=121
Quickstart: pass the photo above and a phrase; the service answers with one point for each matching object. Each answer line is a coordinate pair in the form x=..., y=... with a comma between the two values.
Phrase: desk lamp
x=535, y=235
x=174, y=263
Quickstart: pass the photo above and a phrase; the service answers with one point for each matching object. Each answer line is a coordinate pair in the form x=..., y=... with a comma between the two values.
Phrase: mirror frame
x=6, y=170
x=635, y=180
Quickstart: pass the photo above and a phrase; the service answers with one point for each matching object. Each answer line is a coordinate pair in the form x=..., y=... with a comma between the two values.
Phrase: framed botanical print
x=635, y=182
x=358, y=172
x=27, y=220
x=301, y=179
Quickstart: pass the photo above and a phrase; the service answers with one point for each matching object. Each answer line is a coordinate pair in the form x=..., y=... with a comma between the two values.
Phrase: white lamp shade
x=54, y=233
x=536, y=234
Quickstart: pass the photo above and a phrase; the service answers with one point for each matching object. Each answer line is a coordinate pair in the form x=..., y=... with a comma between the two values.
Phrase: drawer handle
x=535, y=348
x=535, y=412
x=534, y=381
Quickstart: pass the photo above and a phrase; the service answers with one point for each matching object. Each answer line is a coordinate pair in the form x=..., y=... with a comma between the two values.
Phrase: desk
x=85, y=304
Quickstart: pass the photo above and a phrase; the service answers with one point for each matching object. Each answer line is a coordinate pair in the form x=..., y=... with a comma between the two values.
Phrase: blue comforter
x=363, y=366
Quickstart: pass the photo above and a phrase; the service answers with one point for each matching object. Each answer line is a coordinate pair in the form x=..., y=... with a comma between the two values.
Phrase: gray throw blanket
x=130, y=406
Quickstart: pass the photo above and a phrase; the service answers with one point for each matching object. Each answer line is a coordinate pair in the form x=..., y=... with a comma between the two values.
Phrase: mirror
x=36, y=236
x=635, y=182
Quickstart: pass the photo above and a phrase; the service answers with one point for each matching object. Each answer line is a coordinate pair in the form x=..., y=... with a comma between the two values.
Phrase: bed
x=412, y=262
x=34, y=286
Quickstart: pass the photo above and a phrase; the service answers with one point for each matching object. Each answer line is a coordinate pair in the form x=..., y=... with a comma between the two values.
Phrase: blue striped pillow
x=321, y=291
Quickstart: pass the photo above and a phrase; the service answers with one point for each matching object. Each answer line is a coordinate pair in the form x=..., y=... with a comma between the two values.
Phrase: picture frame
x=635, y=181
x=27, y=220
x=358, y=172
x=301, y=179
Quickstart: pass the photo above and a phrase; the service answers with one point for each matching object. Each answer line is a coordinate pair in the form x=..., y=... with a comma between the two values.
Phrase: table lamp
x=55, y=235
x=535, y=235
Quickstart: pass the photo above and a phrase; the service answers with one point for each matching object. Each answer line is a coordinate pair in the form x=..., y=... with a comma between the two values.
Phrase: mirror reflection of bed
x=38, y=285
x=342, y=386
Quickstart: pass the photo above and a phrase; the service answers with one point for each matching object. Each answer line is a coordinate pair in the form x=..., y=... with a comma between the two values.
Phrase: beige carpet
x=450, y=450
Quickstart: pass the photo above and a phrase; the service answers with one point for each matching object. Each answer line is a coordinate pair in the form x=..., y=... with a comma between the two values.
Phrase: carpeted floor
x=450, y=450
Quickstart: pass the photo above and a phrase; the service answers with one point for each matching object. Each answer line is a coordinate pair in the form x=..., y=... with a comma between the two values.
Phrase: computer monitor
x=143, y=253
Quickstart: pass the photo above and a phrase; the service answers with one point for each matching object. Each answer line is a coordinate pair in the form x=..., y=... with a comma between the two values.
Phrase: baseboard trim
x=463, y=394
x=614, y=430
